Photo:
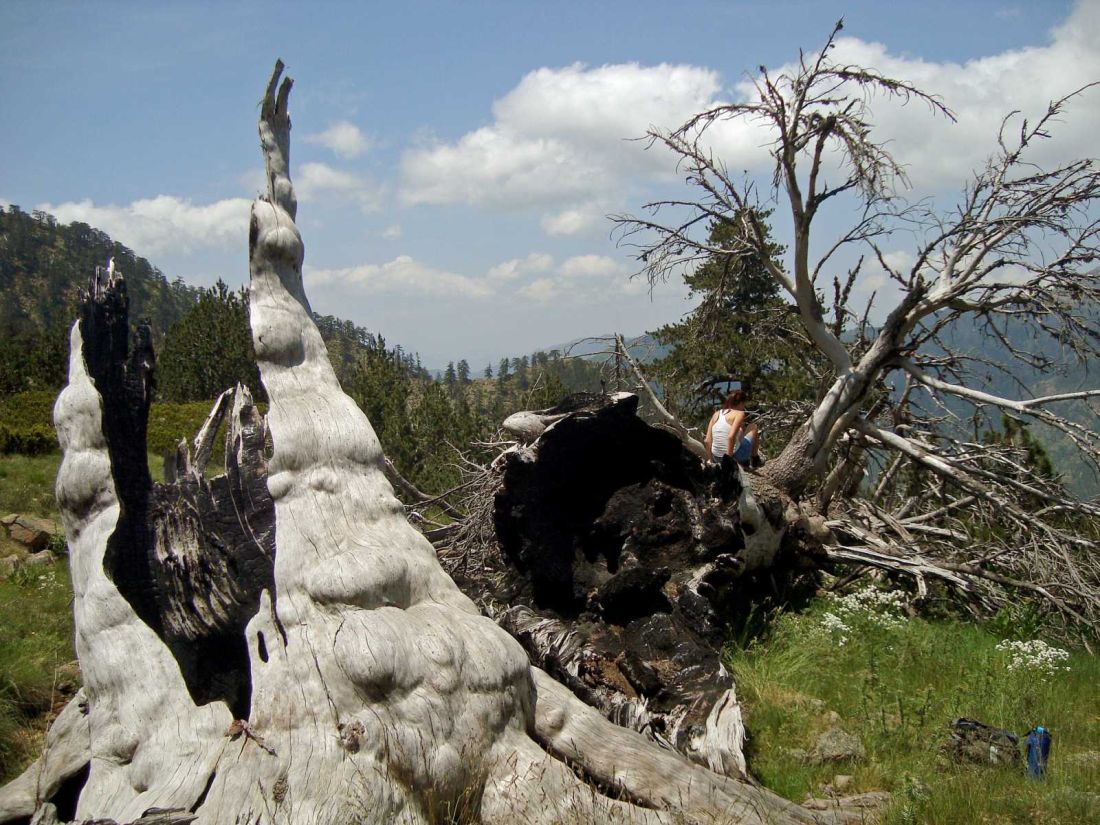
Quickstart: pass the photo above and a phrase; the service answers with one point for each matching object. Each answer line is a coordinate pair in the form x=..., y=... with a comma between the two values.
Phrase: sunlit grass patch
x=36, y=655
x=26, y=484
x=897, y=683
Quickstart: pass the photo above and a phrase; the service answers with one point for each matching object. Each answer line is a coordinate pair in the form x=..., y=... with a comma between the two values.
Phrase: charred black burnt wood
x=124, y=381
x=554, y=494
x=618, y=557
x=213, y=545
x=193, y=555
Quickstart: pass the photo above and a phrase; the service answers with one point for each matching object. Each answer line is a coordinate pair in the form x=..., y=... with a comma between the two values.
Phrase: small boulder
x=40, y=559
x=67, y=679
x=863, y=807
x=8, y=565
x=835, y=745
x=841, y=782
x=30, y=531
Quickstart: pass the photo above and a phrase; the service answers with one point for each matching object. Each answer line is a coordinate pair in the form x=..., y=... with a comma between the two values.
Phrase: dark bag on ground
x=978, y=743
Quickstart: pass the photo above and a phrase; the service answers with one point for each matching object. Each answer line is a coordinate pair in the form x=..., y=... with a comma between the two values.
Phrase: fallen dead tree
x=614, y=556
x=1012, y=261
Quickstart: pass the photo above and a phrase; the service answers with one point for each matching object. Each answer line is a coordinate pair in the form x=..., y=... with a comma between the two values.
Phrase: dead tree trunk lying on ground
x=614, y=558
x=292, y=651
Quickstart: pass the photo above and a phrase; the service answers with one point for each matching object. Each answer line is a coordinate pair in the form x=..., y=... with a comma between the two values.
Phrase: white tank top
x=720, y=436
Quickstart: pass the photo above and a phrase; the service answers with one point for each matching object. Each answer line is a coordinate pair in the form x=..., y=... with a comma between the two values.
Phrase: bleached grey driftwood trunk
x=327, y=670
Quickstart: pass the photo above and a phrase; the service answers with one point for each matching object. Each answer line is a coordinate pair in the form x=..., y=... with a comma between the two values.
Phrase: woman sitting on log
x=730, y=434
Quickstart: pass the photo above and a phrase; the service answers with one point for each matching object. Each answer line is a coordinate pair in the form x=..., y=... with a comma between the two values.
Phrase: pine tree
x=741, y=330
x=209, y=350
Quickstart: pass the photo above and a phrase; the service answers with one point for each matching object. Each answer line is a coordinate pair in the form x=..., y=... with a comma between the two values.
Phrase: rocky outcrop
x=32, y=532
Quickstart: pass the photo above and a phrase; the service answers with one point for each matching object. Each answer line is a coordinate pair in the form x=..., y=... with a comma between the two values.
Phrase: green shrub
x=26, y=410
x=26, y=423
x=168, y=423
x=34, y=440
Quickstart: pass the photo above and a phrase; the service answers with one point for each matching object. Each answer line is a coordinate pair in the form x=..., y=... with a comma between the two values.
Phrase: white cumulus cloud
x=402, y=275
x=343, y=138
x=162, y=224
x=589, y=279
x=320, y=182
x=939, y=154
x=592, y=266
x=561, y=136
x=560, y=140
x=515, y=268
x=541, y=290
x=575, y=219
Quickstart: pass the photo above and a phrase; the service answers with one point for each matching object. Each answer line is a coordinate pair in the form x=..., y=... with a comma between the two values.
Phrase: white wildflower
x=836, y=626
x=868, y=607
x=1035, y=656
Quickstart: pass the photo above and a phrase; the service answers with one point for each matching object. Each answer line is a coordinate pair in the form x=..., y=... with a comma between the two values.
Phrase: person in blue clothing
x=730, y=433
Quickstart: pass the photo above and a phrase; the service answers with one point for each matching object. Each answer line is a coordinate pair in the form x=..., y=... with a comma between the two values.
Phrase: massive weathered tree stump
x=279, y=645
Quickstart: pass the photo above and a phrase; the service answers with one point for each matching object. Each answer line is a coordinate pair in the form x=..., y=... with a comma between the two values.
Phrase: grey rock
x=40, y=559
x=30, y=531
x=835, y=745
x=841, y=782
x=861, y=802
x=8, y=565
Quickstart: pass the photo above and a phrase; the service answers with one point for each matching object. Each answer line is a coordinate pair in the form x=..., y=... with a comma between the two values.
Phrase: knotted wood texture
x=375, y=692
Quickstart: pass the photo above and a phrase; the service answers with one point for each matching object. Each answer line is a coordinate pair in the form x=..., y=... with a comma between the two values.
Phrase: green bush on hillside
x=34, y=440
x=26, y=423
x=24, y=410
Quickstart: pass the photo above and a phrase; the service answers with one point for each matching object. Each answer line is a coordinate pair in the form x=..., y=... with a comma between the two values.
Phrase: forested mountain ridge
x=44, y=266
x=1049, y=368
x=203, y=346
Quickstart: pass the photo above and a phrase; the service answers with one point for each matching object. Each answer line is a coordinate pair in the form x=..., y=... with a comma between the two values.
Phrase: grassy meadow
x=897, y=682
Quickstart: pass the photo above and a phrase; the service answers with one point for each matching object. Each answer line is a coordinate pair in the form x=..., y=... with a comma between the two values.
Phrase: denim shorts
x=744, y=450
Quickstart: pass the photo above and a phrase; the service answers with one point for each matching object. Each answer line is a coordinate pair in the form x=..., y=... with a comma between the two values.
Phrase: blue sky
x=455, y=161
